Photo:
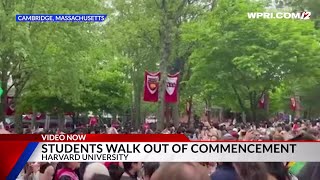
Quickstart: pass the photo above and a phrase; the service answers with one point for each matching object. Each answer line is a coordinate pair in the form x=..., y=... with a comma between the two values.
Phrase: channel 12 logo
x=305, y=15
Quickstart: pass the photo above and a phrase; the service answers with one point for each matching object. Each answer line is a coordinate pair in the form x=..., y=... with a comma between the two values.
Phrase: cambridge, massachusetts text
x=61, y=17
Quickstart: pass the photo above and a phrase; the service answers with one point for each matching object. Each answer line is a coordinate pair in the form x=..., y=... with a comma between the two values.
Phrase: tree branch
x=158, y=5
x=31, y=10
x=239, y=98
x=179, y=9
x=10, y=87
x=4, y=5
x=22, y=85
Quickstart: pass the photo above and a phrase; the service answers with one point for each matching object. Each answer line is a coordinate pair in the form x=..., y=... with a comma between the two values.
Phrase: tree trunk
x=208, y=110
x=267, y=104
x=4, y=86
x=167, y=114
x=18, y=128
x=166, y=45
x=47, y=122
x=317, y=24
x=18, y=125
x=220, y=114
x=137, y=89
x=253, y=106
x=241, y=103
x=298, y=108
x=132, y=120
x=6, y=57
x=175, y=114
x=191, y=119
x=162, y=86
x=137, y=109
x=33, y=118
x=114, y=118
x=75, y=119
x=61, y=120
x=244, y=117
x=3, y=106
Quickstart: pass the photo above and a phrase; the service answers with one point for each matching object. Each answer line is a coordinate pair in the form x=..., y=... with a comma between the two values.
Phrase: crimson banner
x=188, y=107
x=171, y=95
x=151, y=86
x=262, y=101
x=10, y=106
x=293, y=104
x=93, y=121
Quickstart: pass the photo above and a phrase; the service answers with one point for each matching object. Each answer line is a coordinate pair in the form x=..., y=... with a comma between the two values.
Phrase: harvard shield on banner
x=171, y=95
x=151, y=86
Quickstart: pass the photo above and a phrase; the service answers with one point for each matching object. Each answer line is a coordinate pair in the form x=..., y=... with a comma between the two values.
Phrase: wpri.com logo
x=279, y=15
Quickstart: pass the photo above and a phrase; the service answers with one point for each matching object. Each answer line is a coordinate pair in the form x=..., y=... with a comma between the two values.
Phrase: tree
x=246, y=56
x=38, y=49
x=312, y=6
x=134, y=37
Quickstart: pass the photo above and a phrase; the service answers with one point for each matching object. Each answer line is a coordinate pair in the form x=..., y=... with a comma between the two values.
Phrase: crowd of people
x=280, y=131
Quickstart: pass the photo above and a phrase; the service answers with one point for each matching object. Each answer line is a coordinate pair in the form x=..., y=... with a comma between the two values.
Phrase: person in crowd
x=314, y=132
x=131, y=170
x=35, y=175
x=278, y=137
x=310, y=171
x=46, y=171
x=80, y=171
x=149, y=168
x=227, y=137
x=253, y=171
x=31, y=171
x=190, y=133
x=225, y=171
x=180, y=171
x=110, y=129
x=210, y=166
x=95, y=170
x=277, y=130
x=279, y=171
x=67, y=171
x=108, y=164
x=170, y=129
x=115, y=171
x=303, y=137
x=302, y=169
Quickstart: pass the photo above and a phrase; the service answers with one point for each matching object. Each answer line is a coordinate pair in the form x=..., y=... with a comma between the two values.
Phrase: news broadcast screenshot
x=160, y=89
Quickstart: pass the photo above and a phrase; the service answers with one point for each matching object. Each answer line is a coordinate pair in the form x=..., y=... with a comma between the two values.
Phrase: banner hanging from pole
x=262, y=101
x=293, y=104
x=151, y=86
x=10, y=109
x=171, y=95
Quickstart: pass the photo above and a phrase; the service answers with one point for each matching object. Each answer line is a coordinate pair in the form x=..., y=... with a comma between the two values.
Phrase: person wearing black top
x=225, y=171
x=131, y=170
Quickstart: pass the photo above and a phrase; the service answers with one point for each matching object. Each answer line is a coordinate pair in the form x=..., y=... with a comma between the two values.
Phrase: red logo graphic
x=305, y=15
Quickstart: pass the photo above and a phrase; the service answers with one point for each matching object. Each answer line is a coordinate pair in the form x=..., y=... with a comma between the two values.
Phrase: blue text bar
x=61, y=17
